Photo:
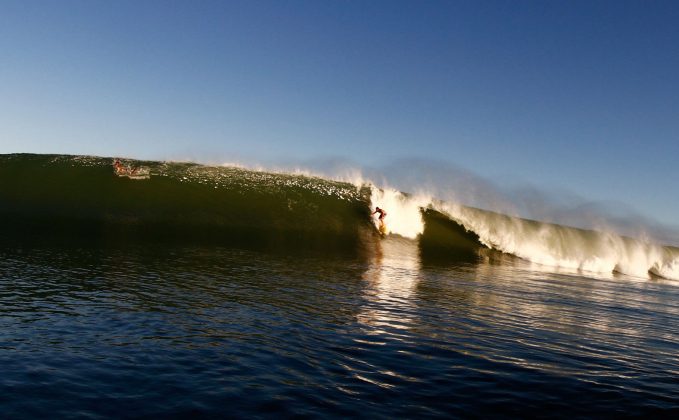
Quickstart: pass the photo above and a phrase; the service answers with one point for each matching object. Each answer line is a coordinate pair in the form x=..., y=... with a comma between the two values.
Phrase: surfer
x=383, y=214
x=119, y=168
x=137, y=172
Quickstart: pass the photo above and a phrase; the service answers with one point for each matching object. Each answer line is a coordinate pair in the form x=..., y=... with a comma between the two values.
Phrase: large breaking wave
x=56, y=196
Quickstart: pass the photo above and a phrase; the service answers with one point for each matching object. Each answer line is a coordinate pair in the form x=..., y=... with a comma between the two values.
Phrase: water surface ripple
x=100, y=332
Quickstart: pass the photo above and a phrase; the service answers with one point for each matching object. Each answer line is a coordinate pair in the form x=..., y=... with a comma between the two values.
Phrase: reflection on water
x=391, y=278
x=553, y=322
x=219, y=331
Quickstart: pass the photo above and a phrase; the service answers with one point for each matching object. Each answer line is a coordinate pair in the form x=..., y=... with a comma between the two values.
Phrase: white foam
x=668, y=267
x=403, y=212
x=562, y=246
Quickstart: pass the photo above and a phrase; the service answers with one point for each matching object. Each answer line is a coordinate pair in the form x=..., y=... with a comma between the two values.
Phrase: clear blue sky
x=581, y=95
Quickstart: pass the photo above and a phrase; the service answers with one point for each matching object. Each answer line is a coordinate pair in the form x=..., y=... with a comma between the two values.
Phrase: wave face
x=56, y=196
x=82, y=196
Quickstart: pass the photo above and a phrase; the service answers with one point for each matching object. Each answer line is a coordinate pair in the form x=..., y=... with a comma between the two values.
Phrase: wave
x=48, y=196
x=59, y=196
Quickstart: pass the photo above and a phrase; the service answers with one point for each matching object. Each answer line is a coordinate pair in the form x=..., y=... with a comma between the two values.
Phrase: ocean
x=172, y=290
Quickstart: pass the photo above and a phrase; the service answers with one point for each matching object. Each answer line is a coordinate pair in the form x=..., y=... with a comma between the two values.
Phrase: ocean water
x=203, y=292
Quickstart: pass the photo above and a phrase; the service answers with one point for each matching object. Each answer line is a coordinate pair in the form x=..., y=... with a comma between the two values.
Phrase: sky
x=580, y=96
